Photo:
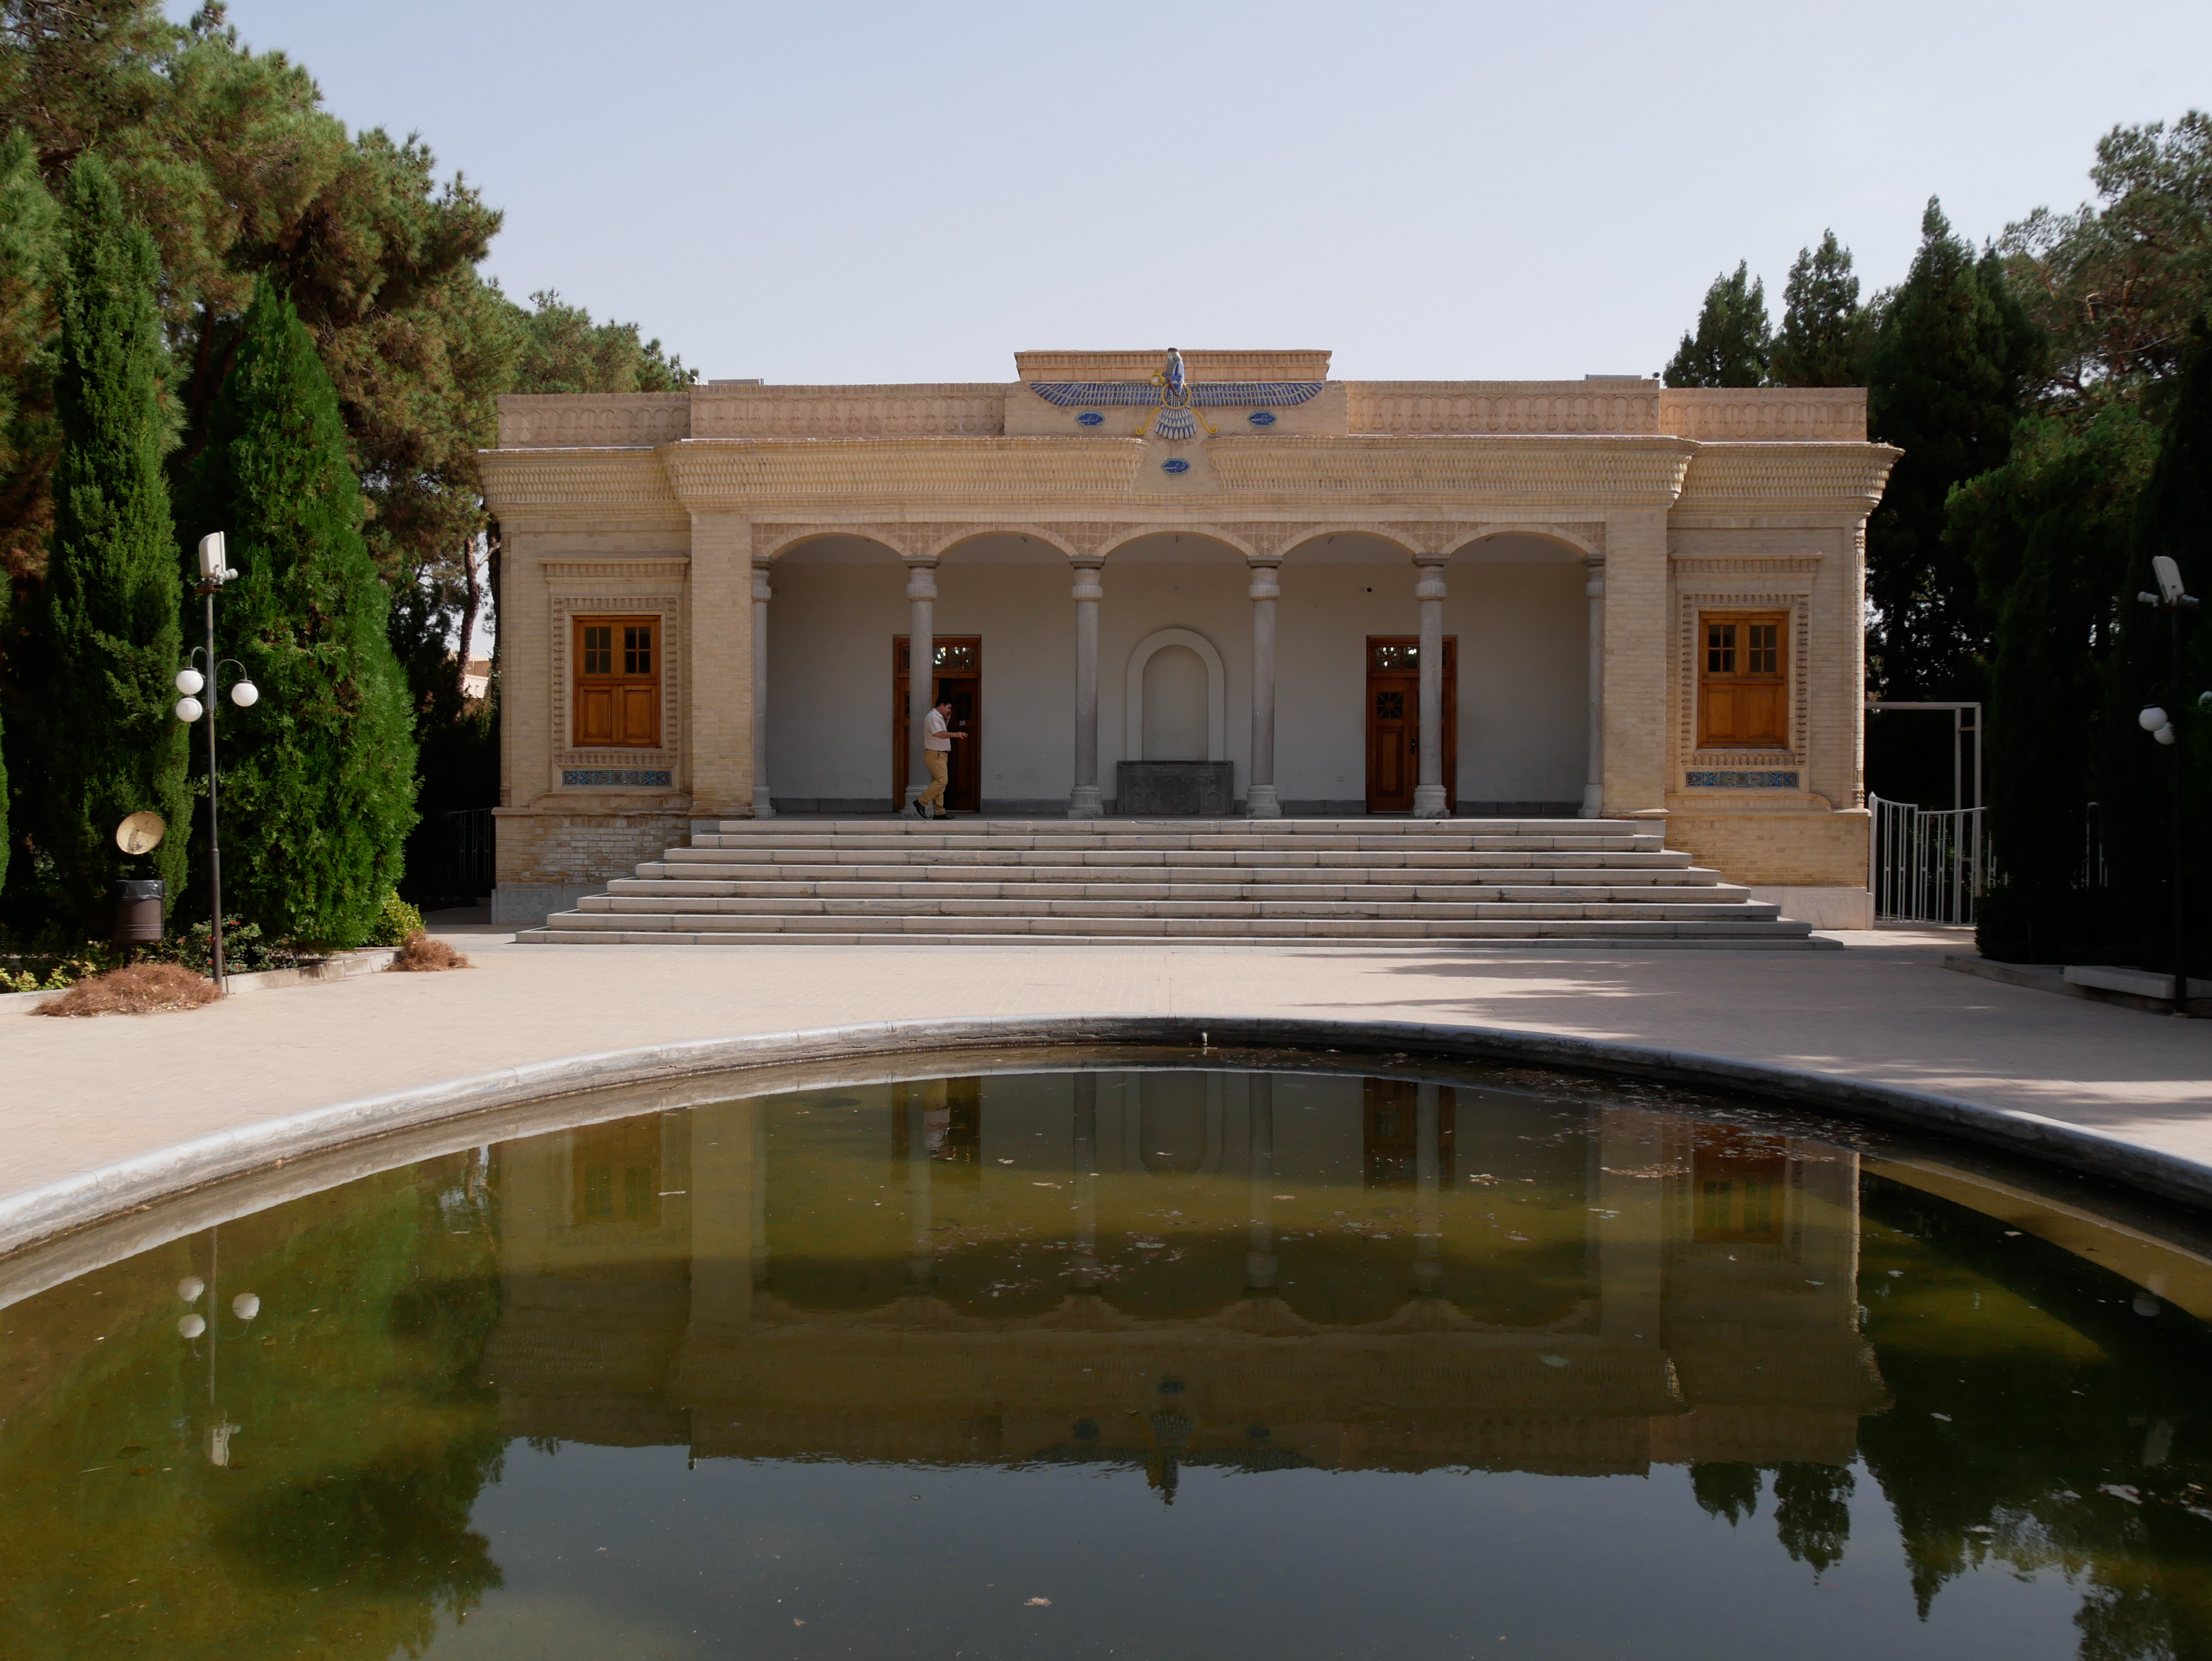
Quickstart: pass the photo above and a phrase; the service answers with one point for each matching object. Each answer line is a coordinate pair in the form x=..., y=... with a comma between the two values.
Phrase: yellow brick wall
x=1776, y=849
x=587, y=843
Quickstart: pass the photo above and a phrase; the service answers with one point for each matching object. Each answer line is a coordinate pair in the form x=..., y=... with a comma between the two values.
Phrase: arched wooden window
x=618, y=683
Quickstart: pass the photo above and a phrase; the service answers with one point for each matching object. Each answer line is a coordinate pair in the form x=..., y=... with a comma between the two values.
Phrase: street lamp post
x=214, y=572
x=2174, y=600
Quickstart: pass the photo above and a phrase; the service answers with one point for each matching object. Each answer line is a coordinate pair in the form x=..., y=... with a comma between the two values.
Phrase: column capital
x=1264, y=584
x=761, y=589
x=921, y=579
x=1087, y=585
x=1431, y=585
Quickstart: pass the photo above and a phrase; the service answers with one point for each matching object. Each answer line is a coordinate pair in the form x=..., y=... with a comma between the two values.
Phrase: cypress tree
x=1733, y=339
x=2173, y=517
x=1823, y=336
x=318, y=777
x=109, y=744
x=1945, y=382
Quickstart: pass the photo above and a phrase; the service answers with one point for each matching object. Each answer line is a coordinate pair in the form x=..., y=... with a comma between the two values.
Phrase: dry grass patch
x=135, y=989
x=420, y=954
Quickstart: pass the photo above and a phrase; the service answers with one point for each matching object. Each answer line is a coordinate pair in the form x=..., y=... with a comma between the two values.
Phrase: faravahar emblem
x=1172, y=400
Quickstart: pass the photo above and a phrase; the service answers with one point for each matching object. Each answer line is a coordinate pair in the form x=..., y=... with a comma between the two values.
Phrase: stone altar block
x=1169, y=789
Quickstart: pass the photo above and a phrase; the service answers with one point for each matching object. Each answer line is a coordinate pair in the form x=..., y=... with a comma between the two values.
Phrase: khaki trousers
x=935, y=761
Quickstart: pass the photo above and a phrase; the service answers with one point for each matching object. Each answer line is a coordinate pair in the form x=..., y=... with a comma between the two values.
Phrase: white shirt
x=933, y=731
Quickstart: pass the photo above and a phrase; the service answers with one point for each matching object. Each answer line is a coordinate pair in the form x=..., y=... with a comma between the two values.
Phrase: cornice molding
x=1442, y=408
x=593, y=421
x=738, y=474
x=1764, y=414
x=1736, y=479
x=625, y=485
x=951, y=410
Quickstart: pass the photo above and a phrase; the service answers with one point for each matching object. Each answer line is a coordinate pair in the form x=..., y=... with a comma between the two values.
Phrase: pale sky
x=833, y=192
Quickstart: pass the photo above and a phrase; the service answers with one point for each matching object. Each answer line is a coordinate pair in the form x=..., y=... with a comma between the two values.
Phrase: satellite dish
x=141, y=833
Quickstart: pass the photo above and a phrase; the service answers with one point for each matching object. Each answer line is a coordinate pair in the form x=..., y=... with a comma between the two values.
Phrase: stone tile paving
x=80, y=1093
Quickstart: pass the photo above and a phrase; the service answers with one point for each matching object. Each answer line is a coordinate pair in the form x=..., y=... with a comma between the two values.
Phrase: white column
x=1593, y=793
x=1260, y=1260
x=1083, y=801
x=1428, y=1211
x=762, y=807
x=1260, y=801
x=921, y=665
x=1429, y=802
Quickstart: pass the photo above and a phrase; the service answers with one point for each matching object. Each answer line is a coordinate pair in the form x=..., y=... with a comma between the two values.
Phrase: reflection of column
x=921, y=666
x=1429, y=801
x=1260, y=1262
x=1086, y=1278
x=1631, y=1151
x=762, y=807
x=922, y=1255
x=1593, y=793
x=1260, y=801
x=1083, y=801
x=728, y=1227
x=1428, y=1210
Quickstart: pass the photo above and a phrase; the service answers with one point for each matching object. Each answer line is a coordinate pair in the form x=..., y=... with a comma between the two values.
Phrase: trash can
x=137, y=912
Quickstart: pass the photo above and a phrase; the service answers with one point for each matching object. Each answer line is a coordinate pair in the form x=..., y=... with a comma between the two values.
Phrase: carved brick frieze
x=557, y=572
x=901, y=472
x=605, y=485
x=1415, y=407
x=1746, y=565
x=948, y=411
x=1764, y=414
x=529, y=420
x=1604, y=472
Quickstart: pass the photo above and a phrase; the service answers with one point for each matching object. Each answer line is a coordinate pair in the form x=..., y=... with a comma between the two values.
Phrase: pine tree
x=1823, y=337
x=1945, y=383
x=318, y=778
x=1733, y=339
x=109, y=744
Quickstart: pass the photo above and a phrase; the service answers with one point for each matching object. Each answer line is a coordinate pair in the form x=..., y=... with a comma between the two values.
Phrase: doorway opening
x=959, y=677
x=1393, y=706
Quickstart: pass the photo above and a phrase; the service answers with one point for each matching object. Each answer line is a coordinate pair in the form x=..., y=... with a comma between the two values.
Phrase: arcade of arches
x=1226, y=585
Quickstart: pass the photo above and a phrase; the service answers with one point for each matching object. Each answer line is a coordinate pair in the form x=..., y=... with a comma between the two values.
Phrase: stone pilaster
x=721, y=687
x=762, y=807
x=1593, y=792
x=1639, y=759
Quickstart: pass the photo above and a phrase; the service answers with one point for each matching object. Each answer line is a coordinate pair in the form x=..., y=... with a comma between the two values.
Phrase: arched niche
x=1216, y=692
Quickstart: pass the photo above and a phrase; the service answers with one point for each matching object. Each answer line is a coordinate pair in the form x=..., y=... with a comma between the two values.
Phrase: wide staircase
x=1549, y=882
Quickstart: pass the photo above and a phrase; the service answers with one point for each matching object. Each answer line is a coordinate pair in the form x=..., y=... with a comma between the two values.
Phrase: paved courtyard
x=83, y=1093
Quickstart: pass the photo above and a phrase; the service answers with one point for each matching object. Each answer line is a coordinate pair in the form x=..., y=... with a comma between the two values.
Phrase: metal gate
x=1926, y=866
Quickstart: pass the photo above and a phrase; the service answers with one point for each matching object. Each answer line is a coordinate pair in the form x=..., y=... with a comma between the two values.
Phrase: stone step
x=1361, y=825
x=609, y=927
x=739, y=905
x=961, y=887
x=1180, y=859
x=1229, y=843
x=689, y=871
x=786, y=941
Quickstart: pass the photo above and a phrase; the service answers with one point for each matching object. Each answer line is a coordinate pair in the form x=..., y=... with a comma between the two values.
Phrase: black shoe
x=916, y=810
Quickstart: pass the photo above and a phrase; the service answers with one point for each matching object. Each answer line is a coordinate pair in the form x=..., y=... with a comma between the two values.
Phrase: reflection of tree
x=340, y=1528
x=2025, y=1386
x=1729, y=1491
x=1812, y=1512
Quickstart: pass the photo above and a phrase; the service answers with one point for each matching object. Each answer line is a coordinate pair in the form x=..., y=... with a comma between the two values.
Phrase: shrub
x=396, y=923
x=137, y=989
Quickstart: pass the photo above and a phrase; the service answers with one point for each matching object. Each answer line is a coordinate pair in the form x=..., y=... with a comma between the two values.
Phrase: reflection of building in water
x=1180, y=1268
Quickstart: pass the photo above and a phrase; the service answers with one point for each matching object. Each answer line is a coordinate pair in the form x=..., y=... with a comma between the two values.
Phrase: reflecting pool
x=1264, y=1360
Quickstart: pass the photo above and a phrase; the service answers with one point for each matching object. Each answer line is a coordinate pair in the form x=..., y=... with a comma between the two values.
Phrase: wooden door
x=1393, y=702
x=959, y=677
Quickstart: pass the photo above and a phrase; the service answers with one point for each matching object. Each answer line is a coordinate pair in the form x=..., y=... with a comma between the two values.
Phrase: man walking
x=936, y=752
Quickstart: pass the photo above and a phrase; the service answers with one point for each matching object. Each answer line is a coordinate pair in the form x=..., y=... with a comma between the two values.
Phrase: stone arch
x=1394, y=535
x=1216, y=691
x=938, y=546
x=774, y=543
x=1241, y=546
x=1580, y=541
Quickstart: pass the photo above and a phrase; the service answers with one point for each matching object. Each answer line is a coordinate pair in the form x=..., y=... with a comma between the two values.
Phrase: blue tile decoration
x=1089, y=418
x=1209, y=394
x=641, y=778
x=1729, y=779
x=1175, y=465
x=1261, y=418
x=1176, y=424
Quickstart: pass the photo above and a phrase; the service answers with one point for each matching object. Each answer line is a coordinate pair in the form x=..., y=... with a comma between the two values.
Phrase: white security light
x=188, y=710
x=190, y=681
x=212, y=569
x=2165, y=734
x=2151, y=718
x=245, y=694
x=2169, y=575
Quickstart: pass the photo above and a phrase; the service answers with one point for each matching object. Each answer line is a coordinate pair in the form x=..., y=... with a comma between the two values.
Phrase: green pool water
x=1137, y=1361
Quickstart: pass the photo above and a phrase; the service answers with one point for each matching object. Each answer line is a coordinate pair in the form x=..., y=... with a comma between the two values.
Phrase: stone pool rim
x=36, y=1216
